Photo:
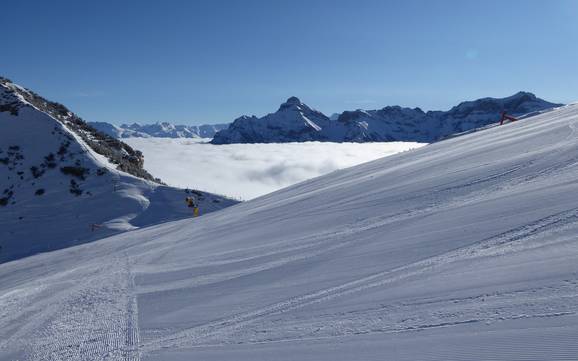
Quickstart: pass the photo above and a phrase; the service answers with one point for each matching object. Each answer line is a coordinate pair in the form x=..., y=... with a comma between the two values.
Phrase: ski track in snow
x=397, y=265
x=497, y=245
x=94, y=320
x=132, y=352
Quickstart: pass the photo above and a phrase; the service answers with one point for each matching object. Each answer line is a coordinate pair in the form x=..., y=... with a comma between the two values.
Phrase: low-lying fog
x=246, y=171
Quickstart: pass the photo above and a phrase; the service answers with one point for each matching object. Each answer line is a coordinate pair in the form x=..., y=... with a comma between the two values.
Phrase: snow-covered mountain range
x=464, y=249
x=63, y=183
x=297, y=122
x=159, y=130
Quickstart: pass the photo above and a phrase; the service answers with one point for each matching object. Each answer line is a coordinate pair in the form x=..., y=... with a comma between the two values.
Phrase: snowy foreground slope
x=56, y=191
x=465, y=249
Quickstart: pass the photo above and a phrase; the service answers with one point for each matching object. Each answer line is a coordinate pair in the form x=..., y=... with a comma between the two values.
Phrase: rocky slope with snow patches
x=159, y=130
x=15, y=97
x=464, y=249
x=63, y=183
x=296, y=122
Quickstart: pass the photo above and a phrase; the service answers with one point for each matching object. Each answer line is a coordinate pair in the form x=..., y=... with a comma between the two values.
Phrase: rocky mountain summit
x=294, y=121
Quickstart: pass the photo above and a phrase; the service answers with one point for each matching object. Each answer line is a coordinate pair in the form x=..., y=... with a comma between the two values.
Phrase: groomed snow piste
x=466, y=249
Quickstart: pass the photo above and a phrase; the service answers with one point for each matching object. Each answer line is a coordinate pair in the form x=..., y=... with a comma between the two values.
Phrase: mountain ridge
x=294, y=121
x=159, y=130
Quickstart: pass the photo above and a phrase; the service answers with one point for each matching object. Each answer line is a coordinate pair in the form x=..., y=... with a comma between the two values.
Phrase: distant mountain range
x=158, y=130
x=297, y=122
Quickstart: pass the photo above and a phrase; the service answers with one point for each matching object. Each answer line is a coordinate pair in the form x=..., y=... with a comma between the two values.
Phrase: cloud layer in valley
x=246, y=171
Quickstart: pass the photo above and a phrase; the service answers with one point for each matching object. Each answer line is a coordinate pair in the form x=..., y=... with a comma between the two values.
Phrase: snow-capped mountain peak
x=291, y=102
x=293, y=121
x=294, y=104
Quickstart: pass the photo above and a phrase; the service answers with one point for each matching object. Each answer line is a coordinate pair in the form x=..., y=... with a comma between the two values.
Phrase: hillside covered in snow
x=64, y=183
x=464, y=249
x=158, y=130
x=297, y=122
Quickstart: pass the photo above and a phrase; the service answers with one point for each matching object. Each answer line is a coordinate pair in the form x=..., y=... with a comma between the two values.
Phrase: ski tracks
x=132, y=352
x=510, y=241
x=96, y=320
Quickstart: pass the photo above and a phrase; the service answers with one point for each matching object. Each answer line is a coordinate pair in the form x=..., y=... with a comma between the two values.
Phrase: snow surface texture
x=159, y=130
x=297, y=122
x=246, y=171
x=465, y=249
x=56, y=192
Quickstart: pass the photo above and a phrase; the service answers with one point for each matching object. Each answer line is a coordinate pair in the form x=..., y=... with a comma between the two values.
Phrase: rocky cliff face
x=296, y=122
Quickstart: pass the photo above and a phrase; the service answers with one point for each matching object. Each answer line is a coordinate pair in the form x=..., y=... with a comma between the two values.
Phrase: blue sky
x=211, y=61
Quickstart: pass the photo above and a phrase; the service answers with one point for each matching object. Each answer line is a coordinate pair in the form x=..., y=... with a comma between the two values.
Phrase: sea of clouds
x=246, y=171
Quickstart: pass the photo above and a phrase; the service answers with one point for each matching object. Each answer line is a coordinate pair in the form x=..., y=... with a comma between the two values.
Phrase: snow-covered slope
x=159, y=130
x=57, y=191
x=464, y=249
x=296, y=123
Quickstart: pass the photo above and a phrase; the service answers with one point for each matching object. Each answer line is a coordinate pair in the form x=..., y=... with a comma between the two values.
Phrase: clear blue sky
x=211, y=61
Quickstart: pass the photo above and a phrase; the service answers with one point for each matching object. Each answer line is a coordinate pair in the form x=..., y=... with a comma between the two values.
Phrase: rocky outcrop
x=14, y=97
